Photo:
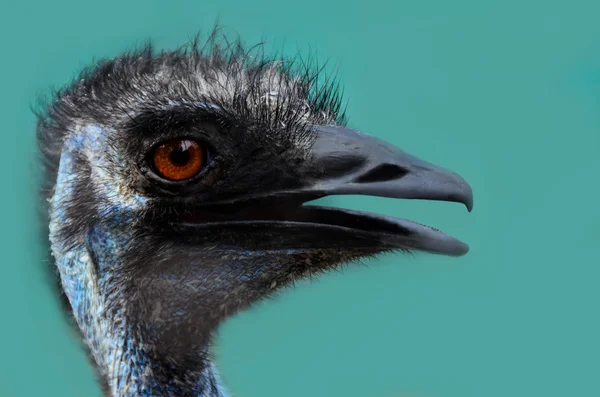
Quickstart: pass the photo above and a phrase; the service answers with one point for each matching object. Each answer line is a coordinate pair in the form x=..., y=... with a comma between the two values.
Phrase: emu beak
x=349, y=162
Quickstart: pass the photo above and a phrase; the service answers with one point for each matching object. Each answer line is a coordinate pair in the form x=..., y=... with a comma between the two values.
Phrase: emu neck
x=126, y=363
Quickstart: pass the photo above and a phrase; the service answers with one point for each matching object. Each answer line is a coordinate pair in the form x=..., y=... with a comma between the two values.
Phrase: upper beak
x=349, y=162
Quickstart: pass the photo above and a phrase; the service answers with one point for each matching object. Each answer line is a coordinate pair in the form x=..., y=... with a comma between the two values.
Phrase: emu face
x=177, y=189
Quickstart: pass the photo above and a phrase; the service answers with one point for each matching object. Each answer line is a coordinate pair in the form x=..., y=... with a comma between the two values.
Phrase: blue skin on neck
x=86, y=268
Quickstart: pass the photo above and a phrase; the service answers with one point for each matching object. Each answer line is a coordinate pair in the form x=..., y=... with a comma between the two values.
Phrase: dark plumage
x=151, y=265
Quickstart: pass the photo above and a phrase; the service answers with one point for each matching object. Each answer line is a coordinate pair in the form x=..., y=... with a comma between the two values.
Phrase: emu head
x=177, y=190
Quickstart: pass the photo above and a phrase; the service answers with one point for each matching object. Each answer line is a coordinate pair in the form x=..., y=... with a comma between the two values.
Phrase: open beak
x=350, y=162
x=344, y=161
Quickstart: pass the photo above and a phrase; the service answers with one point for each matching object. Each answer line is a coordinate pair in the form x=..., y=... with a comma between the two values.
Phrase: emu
x=176, y=184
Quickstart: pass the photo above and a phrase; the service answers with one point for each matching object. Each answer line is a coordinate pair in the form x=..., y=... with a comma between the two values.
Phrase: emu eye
x=179, y=159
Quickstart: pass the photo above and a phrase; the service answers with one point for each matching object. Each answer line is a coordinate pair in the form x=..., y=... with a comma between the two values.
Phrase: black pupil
x=180, y=154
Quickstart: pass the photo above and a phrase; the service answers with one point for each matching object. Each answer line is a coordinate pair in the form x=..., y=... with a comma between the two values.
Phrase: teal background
x=506, y=93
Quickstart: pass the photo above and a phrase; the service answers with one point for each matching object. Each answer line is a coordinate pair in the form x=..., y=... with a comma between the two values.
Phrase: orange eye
x=179, y=159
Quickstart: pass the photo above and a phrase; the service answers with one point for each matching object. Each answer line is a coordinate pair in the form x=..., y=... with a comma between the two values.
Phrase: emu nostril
x=383, y=172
